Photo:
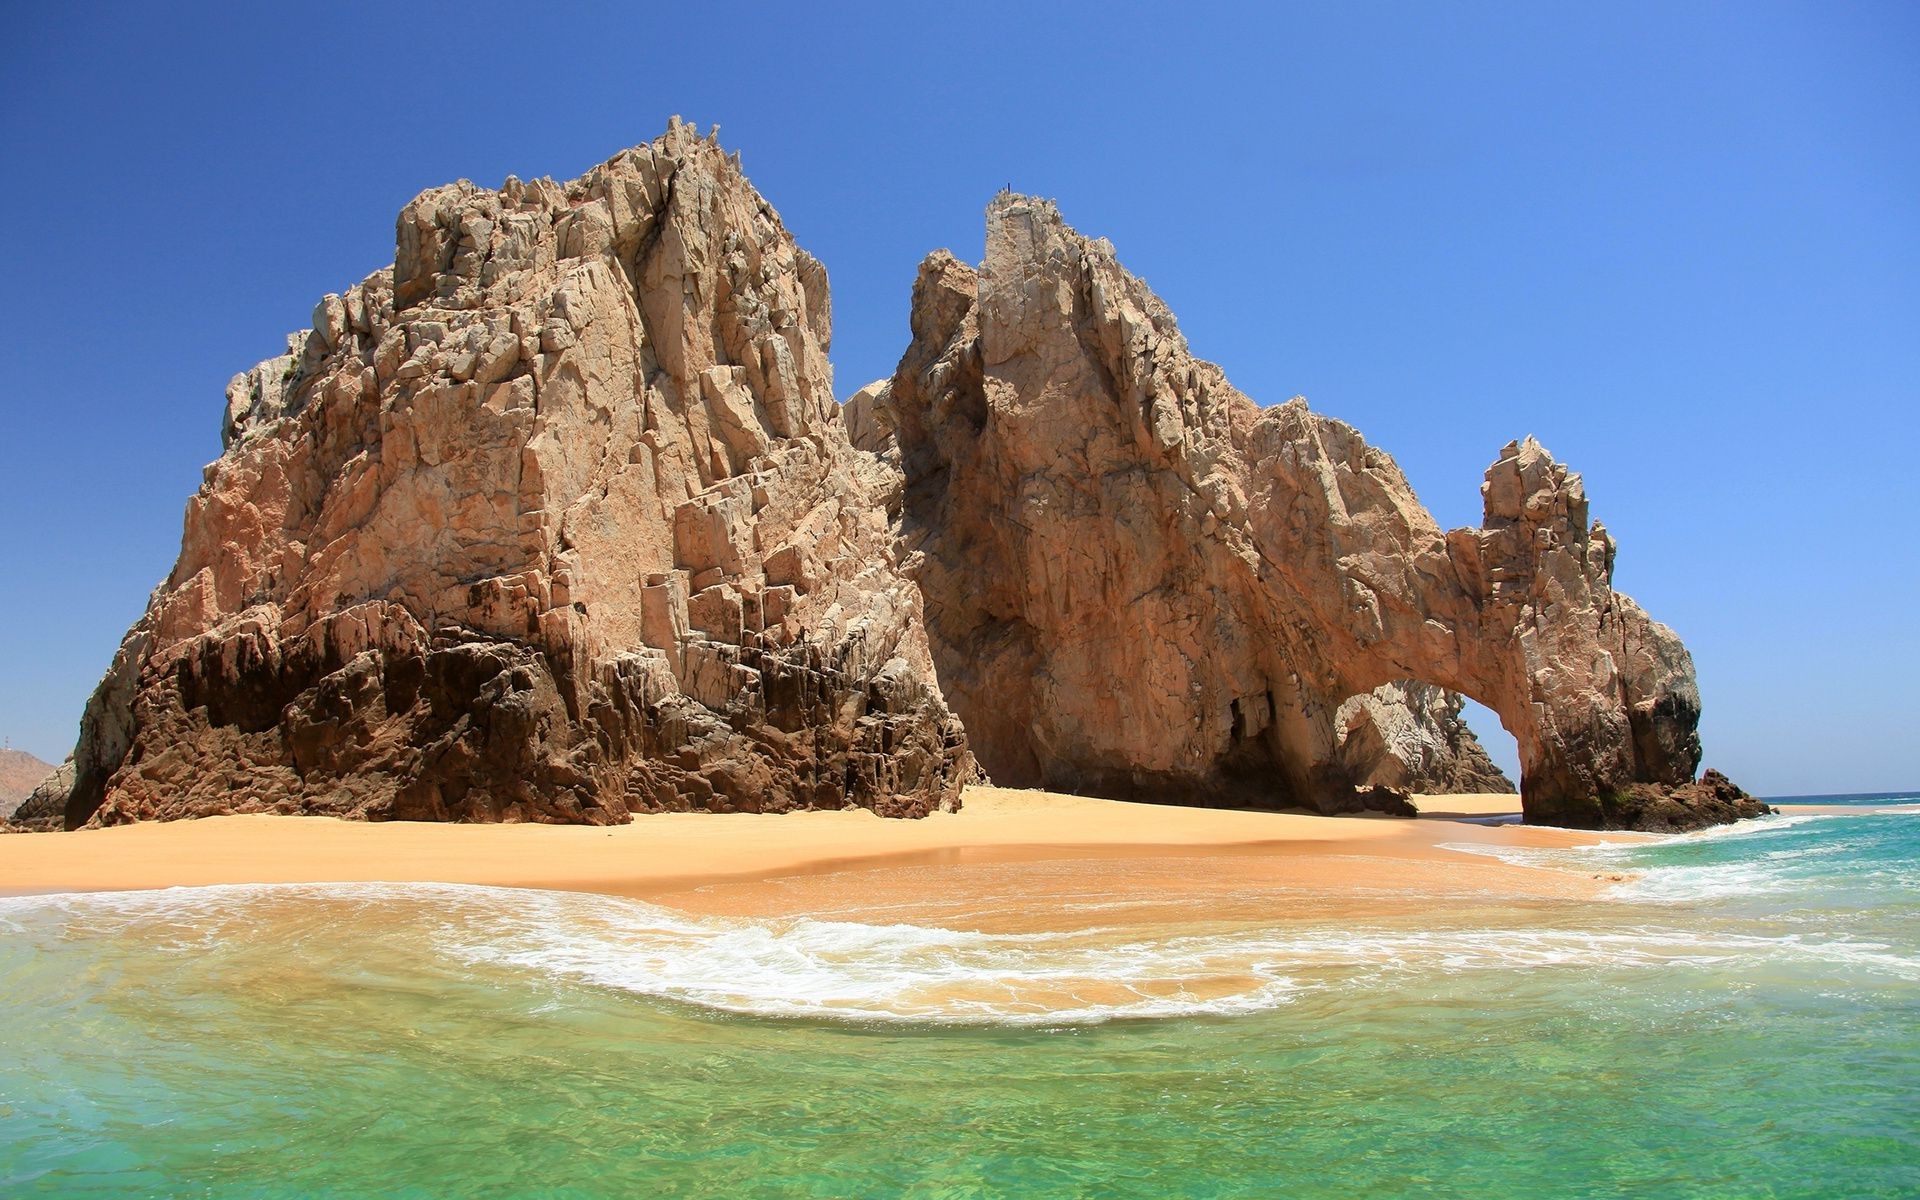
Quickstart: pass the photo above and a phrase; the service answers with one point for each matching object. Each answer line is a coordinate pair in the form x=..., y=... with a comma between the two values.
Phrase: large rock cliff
x=1401, y=737
x=557, y=519
x=1140, y=583
x=554, y=520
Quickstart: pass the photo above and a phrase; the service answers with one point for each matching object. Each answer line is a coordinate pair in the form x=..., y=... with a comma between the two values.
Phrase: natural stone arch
x=1139, y=581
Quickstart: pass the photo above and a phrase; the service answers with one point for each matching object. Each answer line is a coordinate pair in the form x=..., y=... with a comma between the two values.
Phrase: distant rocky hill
x=20, y=772
x=557, y=519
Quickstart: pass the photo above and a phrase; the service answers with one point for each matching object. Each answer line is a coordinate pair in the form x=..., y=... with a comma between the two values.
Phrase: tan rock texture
x=44, y=808
x=557, y=520
x=1412, y=737
x=553, y=520
x=1140, y=583
x=1404, y=737
x=20, y=773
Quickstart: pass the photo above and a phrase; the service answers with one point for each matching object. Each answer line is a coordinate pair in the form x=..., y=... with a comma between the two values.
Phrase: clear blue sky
x=1678, y=242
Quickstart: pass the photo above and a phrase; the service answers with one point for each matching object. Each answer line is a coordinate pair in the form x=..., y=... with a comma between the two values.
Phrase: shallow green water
x=1744, y=1021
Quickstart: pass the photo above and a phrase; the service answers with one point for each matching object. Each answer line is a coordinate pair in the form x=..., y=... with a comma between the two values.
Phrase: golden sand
x=1006, y=851
x=1470, y=804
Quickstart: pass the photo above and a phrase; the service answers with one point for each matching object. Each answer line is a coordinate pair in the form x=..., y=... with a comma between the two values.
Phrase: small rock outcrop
x=553, y=520
x=1140, y=583
x=20, y=773
x=45, y=807
x=1713, y=799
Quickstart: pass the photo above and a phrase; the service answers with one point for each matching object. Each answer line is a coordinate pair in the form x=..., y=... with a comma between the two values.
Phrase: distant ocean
x=1740, y=1017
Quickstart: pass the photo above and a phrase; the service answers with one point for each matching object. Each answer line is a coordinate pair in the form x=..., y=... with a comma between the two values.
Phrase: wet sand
x=1050, y=849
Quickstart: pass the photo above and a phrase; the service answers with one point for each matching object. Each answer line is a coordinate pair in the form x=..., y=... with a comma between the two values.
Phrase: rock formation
x=553, y=520
x=1139, y=583
x=45, y=807
x=20, y=773
x=1713, y=799
x=1411, y=737
x=557, y=520
x=1401, y=737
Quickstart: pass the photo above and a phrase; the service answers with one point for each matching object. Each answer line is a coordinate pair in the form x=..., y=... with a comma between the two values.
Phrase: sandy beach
x=1469, y=804
x=845, y=862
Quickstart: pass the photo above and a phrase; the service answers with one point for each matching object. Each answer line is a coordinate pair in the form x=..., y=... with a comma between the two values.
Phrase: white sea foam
x=1717, y=881
x=842, y=970
x=1578, y=857
x=809, y=968
x=802, y=967
x=1764, y=826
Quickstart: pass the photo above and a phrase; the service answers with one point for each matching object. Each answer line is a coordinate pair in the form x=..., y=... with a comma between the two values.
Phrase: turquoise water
x=1740, y=1018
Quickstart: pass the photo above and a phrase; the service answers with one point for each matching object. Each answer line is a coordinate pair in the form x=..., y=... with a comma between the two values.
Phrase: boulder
x=1713, y=799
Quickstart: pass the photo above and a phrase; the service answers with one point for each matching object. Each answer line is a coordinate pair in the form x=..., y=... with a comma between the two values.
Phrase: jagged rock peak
x=554, y=519
x=1138, y=582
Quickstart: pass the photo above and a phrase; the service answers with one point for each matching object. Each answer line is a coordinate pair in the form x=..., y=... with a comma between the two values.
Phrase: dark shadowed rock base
x=482, y=730
x=1713, y=799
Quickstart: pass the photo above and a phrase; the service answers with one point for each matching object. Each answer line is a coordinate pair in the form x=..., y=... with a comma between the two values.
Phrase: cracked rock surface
x=557, y=519
x=553, y=520
x=1140, y=583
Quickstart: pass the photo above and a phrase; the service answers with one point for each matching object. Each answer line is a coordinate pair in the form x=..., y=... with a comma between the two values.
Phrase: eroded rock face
x=553, y=520
x=1411, y=737
x=1139, y=583
x=43, y=809
x=557, y=519
x=1400, y=737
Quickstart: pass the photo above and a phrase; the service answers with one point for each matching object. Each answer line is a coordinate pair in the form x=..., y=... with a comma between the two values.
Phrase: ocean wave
x=1773, y=823
x=808, y=968
x=1801, y=854
x=1718, y=881
x=1592, y=857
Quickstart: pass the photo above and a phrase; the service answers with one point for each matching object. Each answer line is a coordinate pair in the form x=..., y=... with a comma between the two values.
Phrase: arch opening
x=1417, y=737
x=1501, y=747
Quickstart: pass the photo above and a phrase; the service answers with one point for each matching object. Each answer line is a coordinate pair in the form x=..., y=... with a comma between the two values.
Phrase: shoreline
x=751, y=864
